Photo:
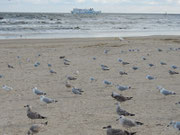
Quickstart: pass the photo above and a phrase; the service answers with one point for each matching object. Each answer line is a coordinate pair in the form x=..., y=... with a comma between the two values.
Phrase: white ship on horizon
x=84, y=11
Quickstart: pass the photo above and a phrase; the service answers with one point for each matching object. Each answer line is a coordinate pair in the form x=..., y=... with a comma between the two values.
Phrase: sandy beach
x=86, y=114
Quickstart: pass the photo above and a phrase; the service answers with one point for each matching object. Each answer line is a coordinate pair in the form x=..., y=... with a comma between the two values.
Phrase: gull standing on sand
x=71, y=77
x=128, y=123
x=120, y=60
x=134, y=68
x=66, y=61
x=92, y=79
x=151, y=65
x=121, y=111
x=106, y=51
x=33, y=115
x=104, y=67
x=107, y=83
x=175, y=124
x=143, y=58
x=149, y=77
x=174, y=67
x=7, y=88
x=173, y=72
x=77, y=91
x=123, y=73
x=165, y=91
x=62, y=57
x=120, y=97
x=67, y=84
x=36, y=128
x=47, y=100
x=38, y=92
x=163, y=63
x=52, y=71
x=9, y=66
x=125, y=63
x=111, y=131
x=122, y=88
x=121, y=38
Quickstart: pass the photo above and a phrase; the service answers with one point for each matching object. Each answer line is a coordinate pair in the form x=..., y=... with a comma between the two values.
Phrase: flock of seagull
x=122, y=113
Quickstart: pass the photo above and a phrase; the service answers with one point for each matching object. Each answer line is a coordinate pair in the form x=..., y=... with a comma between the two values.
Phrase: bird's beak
x=25, y=106
x=167, y=125
x=104, y=127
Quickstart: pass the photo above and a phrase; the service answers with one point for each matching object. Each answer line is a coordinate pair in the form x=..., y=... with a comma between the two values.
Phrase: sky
x=106, y=6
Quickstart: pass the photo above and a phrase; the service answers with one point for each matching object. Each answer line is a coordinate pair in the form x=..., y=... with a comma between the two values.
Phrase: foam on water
x=64, y=25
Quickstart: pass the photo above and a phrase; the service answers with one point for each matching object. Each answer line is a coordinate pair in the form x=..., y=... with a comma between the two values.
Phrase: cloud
x=174, y=1
x=80, y=1
x=110, y=1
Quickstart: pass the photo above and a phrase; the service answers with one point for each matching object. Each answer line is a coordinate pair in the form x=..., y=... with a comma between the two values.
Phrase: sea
x=66, y=25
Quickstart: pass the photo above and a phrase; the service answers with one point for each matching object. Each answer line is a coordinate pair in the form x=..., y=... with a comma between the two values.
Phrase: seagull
x=33, y=115
x=37, y=64
x=128, y=123
x=35, y=128
x=174, y=67
x=52, y=71
x=135, y=68
x=165, y=92
x=111, y=131
x=67, y=84
x=66, y=63
x=93, y=79
x=122, y=88
x=120, y=97
x=62, y=57
x=159, y=50
x=121, y=111
x=7, y=88
x=143, y=58
x=125, y=63
x=71, y=78
x=38, y=92
x=150, y=77
x=121, y=38
x=123, y=73
x=175, y=124
x=151, y=65
x=9, y=66
x=120, y=60
x=107, y=83
x=173, y=72
x=49, y=65
x=178, y=103
x=106, y=51
x=104, y=67
x=66, y=60
x=77, y=91
x=47, y=100
x=163, y=63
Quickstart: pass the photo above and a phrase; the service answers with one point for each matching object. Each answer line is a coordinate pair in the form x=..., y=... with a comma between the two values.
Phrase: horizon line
x=101, y=13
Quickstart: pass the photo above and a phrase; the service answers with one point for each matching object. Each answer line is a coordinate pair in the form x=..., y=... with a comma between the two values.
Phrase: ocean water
x=66, y=25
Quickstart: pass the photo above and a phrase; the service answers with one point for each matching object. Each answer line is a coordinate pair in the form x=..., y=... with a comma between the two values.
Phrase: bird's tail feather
x=133, y=133
x=128, y=98
x=139, y=123
x=131, y=114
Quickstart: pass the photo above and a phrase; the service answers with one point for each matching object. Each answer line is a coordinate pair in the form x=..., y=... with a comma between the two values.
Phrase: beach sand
x=86, y=114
